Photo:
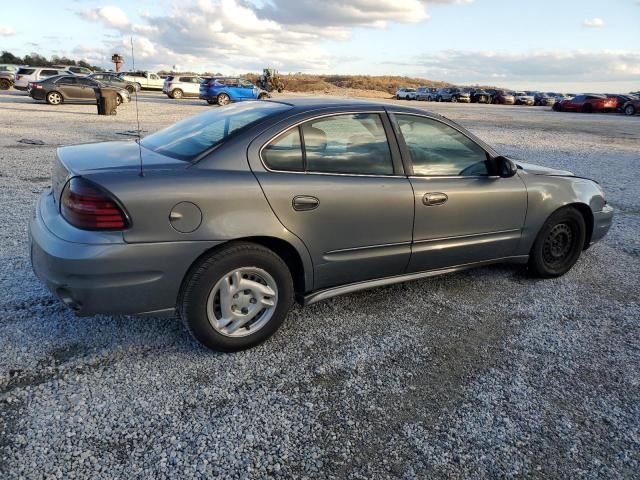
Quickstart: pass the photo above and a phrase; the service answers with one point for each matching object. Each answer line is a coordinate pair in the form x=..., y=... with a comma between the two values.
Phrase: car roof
x=337, y=103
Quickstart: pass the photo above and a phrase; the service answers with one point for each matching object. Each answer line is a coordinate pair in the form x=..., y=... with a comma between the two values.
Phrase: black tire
x=397, y=97
x=262, y=96
x=556, y=107
x=5, y=84
x=118, y=100
x=558, y=244
x=176, y=93
x=211, y=102
x=223, y=99
x=130, y=88
x=192, y=303
x=630, y=110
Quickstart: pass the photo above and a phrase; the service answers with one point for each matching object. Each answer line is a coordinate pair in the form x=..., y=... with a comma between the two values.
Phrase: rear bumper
x=110, y=278
x=602, y=223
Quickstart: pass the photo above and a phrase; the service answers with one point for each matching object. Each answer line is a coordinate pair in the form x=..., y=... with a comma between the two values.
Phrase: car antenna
x=135, y=90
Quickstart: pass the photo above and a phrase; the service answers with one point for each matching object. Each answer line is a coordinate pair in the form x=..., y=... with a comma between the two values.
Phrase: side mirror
x=505, y=168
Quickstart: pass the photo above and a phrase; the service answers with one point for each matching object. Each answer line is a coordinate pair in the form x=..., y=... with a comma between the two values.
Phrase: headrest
x=314, y=138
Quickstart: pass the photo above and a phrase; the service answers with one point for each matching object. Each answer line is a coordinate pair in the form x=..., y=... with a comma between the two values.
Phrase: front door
x=335, y=183
x=462, y=213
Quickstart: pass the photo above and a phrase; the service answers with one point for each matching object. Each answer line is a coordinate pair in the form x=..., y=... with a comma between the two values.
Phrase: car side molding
x=327, y=293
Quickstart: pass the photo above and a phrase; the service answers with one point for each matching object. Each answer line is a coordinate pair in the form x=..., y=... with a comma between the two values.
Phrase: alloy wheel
x=54, y=98
x=242, y=302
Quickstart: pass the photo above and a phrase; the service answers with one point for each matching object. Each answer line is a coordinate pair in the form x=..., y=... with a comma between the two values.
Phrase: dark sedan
x=480, y=96
x=112, y=80
x=72, y=89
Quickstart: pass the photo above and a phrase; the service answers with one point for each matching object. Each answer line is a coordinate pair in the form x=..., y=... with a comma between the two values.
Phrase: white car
x=24, y=75
x=406, y=94
x=79, y=71
x=523, y=99
x=143, y=80
x=182, y=86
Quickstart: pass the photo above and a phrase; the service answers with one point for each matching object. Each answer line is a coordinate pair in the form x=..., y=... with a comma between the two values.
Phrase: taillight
x=87, y=206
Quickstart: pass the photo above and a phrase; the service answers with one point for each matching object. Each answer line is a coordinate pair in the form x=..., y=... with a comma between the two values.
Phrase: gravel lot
x=485, y=373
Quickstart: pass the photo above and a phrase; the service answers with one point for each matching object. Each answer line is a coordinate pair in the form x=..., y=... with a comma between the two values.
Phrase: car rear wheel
x=630, y=110
x=454, y=99
x=558, y=244
x=237, y=297
x=130, y=88
x=176, y=93
x=54, y=98
x=138, y=86
x=5, y=84
x=262, y=96
x=119, y=100
x=223, y=99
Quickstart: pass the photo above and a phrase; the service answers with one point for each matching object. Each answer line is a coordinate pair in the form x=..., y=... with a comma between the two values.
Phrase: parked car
x=224, y=90
x=143, y=80
x=7, y=79
x=426, y=93
x=71, y=89
x=112, y=80
x=503, y=97
x=182, y=86
x=79, y=71
x=452, y=95
x=631, y=107
x=621, y=100
x=406, y=94
x=543, y=99
x=480, y=96
x=247, y=231
x=586, y=104
x=522, y=98
x=26, y=75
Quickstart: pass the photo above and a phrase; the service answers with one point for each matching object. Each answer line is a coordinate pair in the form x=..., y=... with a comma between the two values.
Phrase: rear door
x=87, y=87
x=336, y=182
x=69, y=87
x=463, y=214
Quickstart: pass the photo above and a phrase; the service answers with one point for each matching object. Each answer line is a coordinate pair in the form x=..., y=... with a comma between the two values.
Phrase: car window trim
x=398, y=170
x=406, y=155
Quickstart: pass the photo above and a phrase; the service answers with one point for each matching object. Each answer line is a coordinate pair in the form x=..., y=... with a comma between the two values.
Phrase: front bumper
x=109, y=278
x=602, y=223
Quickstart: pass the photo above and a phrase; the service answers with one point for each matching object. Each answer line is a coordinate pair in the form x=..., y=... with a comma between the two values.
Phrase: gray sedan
x=229, y=216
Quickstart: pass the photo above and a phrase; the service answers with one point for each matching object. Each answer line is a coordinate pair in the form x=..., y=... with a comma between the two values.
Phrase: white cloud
x=110, y=15
x=6, y=31
x=594, y=22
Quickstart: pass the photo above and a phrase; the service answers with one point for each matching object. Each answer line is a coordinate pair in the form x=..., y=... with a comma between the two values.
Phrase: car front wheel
x=237, y=297
x=630, y=110
x=558, y=244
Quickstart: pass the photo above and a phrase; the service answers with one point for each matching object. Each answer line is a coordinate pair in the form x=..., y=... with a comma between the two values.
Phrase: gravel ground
x=484, y=373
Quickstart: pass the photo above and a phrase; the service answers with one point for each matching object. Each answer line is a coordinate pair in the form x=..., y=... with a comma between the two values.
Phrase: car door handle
x=435, y=198
x=305, y=202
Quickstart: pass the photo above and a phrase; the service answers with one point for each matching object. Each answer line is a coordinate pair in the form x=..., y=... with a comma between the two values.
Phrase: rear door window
x=26, y=71
x=353, y=143
x=49, y=73
x=285, y=152
x=67, y=81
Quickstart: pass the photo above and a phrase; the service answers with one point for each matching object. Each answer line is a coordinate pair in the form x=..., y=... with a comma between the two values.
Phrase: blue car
x=223, y=90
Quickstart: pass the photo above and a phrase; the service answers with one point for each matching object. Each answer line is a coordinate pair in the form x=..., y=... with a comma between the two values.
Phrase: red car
x=631, y=107
x=587, y=104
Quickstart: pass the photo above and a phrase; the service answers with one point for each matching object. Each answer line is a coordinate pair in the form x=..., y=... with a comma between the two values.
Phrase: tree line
x=37, y=60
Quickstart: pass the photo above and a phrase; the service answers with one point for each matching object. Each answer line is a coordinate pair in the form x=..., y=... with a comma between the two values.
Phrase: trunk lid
x=92, y=158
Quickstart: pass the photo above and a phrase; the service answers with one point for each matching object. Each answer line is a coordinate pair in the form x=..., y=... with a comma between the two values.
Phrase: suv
x=7, y=76
x=426, y=93
x=26, y=75
x=143, y=80
x=453, y=95
x=184, y=86
x=406, y=94
x=523, y=98
x=223, y=90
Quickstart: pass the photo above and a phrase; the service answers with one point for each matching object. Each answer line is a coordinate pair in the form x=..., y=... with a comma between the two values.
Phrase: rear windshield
x=26, y=71
x=189, y=138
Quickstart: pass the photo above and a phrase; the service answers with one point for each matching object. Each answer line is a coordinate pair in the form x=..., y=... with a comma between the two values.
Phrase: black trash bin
x=107, y=101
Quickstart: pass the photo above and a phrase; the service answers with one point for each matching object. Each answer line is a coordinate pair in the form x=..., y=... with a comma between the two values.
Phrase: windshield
x=189, y=138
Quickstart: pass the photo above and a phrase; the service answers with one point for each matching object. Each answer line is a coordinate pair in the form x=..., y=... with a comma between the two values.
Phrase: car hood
x=110, y=156
x=539, y=170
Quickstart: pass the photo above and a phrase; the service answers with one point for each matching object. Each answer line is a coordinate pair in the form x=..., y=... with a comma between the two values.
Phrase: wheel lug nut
x=253, y=300
x=245, y=311
x=247, y=292
x=235, y=296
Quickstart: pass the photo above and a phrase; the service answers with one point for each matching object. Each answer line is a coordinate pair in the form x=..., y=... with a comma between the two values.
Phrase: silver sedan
x=228, y=217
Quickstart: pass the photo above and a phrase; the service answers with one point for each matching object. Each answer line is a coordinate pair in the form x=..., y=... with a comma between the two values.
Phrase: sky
x=559, y=45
